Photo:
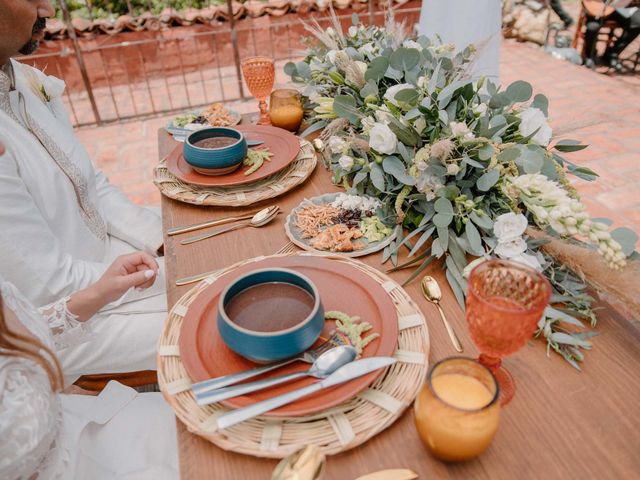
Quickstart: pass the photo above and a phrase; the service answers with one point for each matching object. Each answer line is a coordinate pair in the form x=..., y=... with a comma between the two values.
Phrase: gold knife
x=393, y=474
x=210, y=223
x=194, y=278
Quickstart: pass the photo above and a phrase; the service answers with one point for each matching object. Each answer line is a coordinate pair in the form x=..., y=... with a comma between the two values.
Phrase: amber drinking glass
x=285, y=109
x=259, y=75
x=457, y=411
x=505, y=301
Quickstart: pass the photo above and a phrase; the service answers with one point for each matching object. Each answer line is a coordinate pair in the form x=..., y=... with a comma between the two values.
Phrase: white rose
x=353, y=31
x=383, y=115
x=382, y=139
x=460, y=129
x=390, y=94
x=533, y=119
x=412, y=44
x=367, y=123
x=346, y=162
x=511, y=248
x=336, y=144
x=528, y=260
x=509, y=226
x=331, y=56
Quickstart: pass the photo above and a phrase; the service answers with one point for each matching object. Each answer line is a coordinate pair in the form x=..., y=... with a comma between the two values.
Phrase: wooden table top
x=562, y=424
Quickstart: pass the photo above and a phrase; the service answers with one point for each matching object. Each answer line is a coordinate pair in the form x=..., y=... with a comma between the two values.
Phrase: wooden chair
x=96, y=383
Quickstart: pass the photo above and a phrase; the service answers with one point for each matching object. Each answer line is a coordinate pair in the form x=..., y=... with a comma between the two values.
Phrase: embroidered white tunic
x=62, y=224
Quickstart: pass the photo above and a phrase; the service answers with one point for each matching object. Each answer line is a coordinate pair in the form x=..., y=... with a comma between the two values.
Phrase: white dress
x=119, y=434
x=62, y=224
x=464, y=22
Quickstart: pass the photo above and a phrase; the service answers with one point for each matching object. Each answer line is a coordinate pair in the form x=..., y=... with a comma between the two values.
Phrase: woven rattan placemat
x=240, y=195
x=334, y=430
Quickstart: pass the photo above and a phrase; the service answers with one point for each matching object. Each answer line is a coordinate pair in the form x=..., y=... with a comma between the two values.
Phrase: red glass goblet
x=505, y=301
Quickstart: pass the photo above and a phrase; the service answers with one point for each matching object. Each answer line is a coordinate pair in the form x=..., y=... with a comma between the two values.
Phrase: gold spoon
x=431, y=291
x=261, y=218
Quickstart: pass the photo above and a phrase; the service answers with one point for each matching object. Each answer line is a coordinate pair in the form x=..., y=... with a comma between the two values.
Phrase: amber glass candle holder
x=505, y=301
x=285, y=109
x=457, y=411
x=259, y=75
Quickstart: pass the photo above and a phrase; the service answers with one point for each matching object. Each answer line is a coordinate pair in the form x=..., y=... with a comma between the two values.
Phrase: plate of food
x=215, y=115
x=350, y=225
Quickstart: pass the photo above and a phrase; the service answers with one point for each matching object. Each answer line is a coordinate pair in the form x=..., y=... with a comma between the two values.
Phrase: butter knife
x=343, y=374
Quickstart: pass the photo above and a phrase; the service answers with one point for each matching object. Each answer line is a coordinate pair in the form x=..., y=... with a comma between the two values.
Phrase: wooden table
x=562, y=424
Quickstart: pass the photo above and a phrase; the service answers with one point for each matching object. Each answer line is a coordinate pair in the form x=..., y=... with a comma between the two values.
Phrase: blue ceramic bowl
x=264, y=347
x=215, y=161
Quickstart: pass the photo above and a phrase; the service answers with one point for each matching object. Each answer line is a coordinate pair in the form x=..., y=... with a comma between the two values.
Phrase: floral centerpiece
x=463, y=166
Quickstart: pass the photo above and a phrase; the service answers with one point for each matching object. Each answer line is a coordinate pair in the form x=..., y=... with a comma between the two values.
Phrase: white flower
x=510, y=248
x=353, y=31
x=420, y=124
x=480, y=109
x=382, y=139
x=362, y=66
x=384, y=115
x=452, y=169
x=368, y=49
x=336, y=144
x=533, y=119
x=509, y=226
x=346, y=162
x=412, y=44
x=367, y=123
x=390, y=94
x=430, y=185
x=45, y=87
x=422, y=82
x=331, y=56
x=460, y=129
x=528, y=260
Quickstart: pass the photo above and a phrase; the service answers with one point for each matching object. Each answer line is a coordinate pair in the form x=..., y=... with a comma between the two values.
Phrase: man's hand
x=137, y=270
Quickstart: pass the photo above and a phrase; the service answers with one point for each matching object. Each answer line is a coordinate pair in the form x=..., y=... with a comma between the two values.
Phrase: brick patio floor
x=602, y=111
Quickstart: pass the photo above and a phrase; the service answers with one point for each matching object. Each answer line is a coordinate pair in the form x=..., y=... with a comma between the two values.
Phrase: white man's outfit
x=62, y=224
x=465, y=22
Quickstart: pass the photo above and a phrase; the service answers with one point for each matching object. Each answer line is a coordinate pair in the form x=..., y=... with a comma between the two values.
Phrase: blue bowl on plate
x=263, y=346
x=215, y=160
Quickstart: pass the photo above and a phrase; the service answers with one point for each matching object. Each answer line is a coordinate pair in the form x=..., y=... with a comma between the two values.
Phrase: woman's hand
x=1, y=149
x=135, y=270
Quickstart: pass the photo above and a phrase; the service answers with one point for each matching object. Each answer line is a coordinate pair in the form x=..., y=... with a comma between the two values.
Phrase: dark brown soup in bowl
x=215, y=142
x=270, y=307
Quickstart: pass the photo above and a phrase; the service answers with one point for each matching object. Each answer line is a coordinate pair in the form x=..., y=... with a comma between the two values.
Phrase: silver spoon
x=431, y=291
x=325, y=365
x=261, y=218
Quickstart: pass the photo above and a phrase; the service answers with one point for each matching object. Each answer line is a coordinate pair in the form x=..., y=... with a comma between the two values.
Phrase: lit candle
x=457, y=412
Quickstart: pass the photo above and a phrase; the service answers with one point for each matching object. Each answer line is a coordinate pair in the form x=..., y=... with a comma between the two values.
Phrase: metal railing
x=174, y=69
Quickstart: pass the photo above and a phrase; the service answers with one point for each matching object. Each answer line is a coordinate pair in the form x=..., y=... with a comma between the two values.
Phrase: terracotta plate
x=284, y=145
x=342, y=287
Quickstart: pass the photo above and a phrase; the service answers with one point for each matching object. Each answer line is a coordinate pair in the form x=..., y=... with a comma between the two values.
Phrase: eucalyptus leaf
x=457, y=289
x=474, y=239
x=457, y=252
x=444, y=117
x=370, y=88
x=290, y=69
x=519, y=91
x=394, y=166
x=470, y=161
x=377, y=68
x=408, y=96
x=567, y=339
x=404, y=59
x=443, y=205
x=483, y=221
x=433, y=81
x=304, y=70
x=531, y=158
x=569, y=146
x=443, y=238
x=488, y=180
x=583, y=172
x=345, y=107
x=542, y=103
x=442, y=220
x=404, y=153
x=315, y=127
x=486, y=152
x=627, y=239
x=377, y=177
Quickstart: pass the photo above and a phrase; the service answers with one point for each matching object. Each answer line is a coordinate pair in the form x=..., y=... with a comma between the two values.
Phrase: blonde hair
x=17, y=345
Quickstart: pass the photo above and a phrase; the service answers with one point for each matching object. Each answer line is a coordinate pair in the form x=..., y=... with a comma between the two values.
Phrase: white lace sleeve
x=30, y=416
x=65, y=327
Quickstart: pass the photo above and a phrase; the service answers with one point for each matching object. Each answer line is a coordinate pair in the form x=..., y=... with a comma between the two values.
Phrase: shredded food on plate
x=313, y=218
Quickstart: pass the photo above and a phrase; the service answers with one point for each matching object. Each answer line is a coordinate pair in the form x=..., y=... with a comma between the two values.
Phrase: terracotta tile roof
x=214, y=13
